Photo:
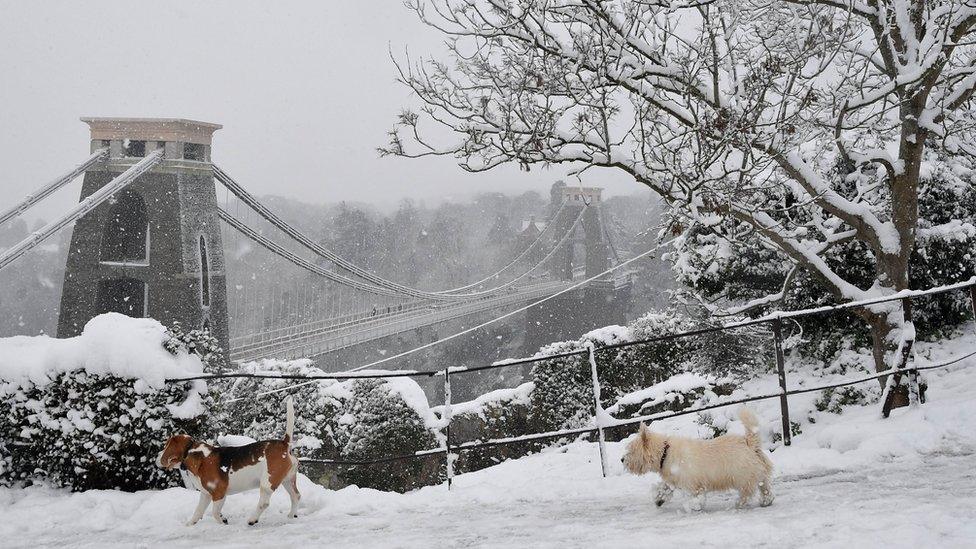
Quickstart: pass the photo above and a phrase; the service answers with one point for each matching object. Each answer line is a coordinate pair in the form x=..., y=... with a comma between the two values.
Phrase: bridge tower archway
x=125, y=235
x=154, y=249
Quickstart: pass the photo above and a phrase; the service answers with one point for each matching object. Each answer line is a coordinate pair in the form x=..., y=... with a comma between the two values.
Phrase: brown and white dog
x=218, y=471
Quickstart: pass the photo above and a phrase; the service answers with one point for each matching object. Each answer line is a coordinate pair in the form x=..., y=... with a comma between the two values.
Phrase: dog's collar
x=664, y=455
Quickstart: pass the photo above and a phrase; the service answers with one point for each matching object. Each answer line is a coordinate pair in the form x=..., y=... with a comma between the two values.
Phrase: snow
x=111, y=343
x=514, y=395
x=668, y=390
x=234, y=440
x=414, y=397
x=608, y=335
x=955, y=229
x=193, y=405
x=852, y=479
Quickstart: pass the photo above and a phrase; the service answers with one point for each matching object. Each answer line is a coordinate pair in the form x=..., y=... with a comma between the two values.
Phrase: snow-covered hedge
x=355, y=420
x=675, y=393
x=563, y=395
x=497, y=414
x=383, y=418
x=199, y=342
x=317, y=406
x=93, y=411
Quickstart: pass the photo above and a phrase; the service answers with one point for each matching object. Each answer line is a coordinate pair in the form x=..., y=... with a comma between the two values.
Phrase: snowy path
x=929, y=501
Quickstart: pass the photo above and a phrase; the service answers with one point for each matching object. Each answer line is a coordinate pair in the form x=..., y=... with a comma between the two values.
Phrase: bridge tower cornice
x=183, y=140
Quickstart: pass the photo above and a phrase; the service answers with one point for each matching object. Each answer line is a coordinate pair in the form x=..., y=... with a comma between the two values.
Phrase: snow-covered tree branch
x=802, y=122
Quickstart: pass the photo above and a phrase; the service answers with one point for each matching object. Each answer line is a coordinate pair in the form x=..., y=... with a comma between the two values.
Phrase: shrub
x=563, y=395
x=631, y=368
x=93, y=411
x=378, y=422
x=356, y=420
x=497, y=414
x=199, y=342
x=834, y=400
x=318, y=405
x=86, y=431
x=675, y=393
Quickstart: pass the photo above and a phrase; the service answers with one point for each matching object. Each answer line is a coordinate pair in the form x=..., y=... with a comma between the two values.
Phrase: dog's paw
x=659, y=502
x=191, y=522
x=224, y=520
x=294, y=515
x=252, y=522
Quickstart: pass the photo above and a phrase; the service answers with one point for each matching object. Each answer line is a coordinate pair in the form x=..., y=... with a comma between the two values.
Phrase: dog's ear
x=185, y=441
x=175, y=449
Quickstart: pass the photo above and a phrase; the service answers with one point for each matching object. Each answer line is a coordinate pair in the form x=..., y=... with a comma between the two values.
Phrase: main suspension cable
x=542, y=235
x=283, y=252
x=43, y=192
x=86, y=205
x=335, y=277
x=339, y=261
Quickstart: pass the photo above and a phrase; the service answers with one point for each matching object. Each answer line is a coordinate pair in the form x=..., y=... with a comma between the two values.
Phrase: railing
x=325, y=324
x=331, y=338
x=603, y=420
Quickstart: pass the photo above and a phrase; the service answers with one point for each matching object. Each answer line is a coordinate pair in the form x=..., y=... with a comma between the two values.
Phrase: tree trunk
x=885, y=337
x=882, y=347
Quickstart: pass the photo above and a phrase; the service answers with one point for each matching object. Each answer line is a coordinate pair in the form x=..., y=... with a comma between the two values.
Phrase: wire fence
x=604, y=421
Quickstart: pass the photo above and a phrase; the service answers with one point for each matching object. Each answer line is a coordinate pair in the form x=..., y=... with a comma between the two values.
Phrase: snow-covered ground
x=848, y=480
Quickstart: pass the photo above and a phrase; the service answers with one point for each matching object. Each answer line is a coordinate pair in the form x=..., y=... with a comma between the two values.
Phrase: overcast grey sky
x=305, y=91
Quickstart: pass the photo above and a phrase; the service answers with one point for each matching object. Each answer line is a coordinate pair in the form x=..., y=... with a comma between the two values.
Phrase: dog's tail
x=289, y=419
x=752, y=426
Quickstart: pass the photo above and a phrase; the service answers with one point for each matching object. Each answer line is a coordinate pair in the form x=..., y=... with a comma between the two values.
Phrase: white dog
x=699, y=466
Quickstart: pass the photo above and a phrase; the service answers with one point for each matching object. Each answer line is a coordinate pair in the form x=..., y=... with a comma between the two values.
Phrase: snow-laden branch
x=806, y=121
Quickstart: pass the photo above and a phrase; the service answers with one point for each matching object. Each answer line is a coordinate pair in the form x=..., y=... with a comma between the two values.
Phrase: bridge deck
x=320, y=338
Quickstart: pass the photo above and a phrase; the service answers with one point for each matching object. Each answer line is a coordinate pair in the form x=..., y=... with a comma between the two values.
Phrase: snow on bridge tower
x=154, y=249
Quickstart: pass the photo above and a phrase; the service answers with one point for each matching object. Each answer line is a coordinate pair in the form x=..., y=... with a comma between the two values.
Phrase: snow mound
x=110, y=344
x=413, y=395
x=509, y=396
x=668, y=390
x=608, y=335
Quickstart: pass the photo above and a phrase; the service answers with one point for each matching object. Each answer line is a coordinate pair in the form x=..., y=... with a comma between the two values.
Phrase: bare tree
x=805, y=122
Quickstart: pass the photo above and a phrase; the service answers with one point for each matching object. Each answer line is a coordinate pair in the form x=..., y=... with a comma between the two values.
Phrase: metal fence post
x=972, y=299
x=914, y=394
x=598, y=412
x=784, y=404
x=449, y=457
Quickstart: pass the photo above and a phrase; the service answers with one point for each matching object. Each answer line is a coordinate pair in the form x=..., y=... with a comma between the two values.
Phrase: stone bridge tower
x=603, y=301
x=595, y=248
x=154, y=249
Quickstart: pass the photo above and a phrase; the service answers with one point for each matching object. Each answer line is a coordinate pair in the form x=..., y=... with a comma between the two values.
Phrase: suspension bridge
x=151, y=238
